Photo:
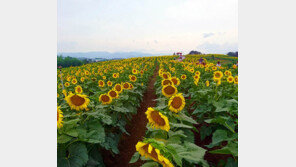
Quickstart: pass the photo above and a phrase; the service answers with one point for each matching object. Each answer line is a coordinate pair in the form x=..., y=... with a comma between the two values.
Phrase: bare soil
x=136, y=128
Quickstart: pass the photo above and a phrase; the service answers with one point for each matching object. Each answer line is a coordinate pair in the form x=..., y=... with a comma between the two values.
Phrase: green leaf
x=94, y=133
x=150, y=164
x=231, y=163
x=95, y=158
x=230, y=148
x=179, y=125
x=120, y=109
x=72, y=132
x=77, y=156
x=218, y=136
x=135, y=157
x=205, y=131
x=63, y=138
x=193, y=153
x=173, y=149
x=186, y=118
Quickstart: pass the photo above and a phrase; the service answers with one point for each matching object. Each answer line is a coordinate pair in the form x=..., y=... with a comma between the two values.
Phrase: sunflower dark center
x=169, y=90
x=217, y=75
x=166, y=82
x=177, y=102
x=165, y=76
x=153, y=152
x=77, y=100
x=113, y=94
x=157, y=118
x=118, y=87
x=105, y=98
x=58, y=116
x=174, y=81
x=126, y=85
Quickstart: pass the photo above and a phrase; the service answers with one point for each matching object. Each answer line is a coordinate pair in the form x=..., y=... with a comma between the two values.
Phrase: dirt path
x=136, y=129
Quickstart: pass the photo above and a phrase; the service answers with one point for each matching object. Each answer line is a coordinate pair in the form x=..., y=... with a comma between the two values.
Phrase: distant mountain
x=106, y=55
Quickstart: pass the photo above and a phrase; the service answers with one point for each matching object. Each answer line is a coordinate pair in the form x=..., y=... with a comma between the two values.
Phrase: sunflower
x=67, y=84
x=183, y=76
x=196, y=77
x=227, y=73
x=105, y=98
x=86, y=72
x=126, y=85
x=230, y=79
x=207, y=83
x=58, y=95
x=176, y=81
x=133, y=78
x=236, y=79
x=218, y=81
x=157, y=120
x=196, y=82
x=197, y=73
x=78, y=89
x=131, y=86
x=135, y=71
x=77, y=101
x=101, y=83
x=177, y=103
x=113, y=94
x=109, y=83
x=218, y=75
x=82, y=79
x=65, y=93
x=169, y=90
x=104, y=77
x=234, y=66
x=115, y=75
x=160, y=72
x=118, y=88
x=68, y=79
x=166, y=82
x=148, y=151
x=60, y=86
x=166, y=75
x=59, y=117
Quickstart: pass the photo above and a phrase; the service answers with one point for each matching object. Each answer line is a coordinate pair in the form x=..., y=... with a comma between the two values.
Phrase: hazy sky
x=151, y=26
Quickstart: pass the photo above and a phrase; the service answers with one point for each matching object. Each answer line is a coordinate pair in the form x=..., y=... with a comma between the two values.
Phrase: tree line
x=70, y=61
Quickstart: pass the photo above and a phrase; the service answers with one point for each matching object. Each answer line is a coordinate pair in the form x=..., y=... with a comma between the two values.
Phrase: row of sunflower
x=169, y=139
x=186, y=90
x=95, y=102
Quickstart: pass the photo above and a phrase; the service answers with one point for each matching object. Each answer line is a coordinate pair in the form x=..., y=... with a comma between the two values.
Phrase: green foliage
x=68, y=61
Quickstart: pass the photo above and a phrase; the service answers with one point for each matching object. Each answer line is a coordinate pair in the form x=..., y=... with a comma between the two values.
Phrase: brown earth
x=136, y=128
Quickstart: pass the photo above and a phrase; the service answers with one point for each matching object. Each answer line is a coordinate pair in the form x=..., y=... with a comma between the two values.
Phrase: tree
x=68, y=61
x=193, y=52
x=232, y=54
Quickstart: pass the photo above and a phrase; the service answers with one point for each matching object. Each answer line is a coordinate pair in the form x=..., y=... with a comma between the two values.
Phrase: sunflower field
x=194, y=121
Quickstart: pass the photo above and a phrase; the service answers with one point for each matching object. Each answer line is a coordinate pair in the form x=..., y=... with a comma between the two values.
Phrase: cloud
x=206, y=35
x=217, y=48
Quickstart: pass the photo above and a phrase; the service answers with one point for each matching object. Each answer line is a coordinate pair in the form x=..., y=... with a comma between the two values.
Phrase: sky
x=149, y=26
